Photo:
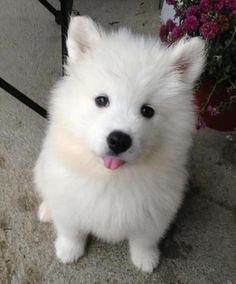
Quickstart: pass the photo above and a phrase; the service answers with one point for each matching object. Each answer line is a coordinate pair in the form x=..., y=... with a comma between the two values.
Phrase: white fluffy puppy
x=113, y=162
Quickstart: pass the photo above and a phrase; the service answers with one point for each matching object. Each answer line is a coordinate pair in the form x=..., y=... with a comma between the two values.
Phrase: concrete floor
x=200, y=246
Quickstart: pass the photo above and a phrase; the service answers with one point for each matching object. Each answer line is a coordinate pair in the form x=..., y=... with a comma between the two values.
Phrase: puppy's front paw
x=145, y=259
x=44, y=213
x=68, y=250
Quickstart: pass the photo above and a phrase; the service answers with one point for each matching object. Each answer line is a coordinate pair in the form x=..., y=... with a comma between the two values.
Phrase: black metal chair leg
x=23, y=98
x=52, y=10
x=66, y=9
x=63, y=18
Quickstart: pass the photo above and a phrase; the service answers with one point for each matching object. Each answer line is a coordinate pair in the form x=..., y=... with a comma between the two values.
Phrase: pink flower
x=209, y=30
x=192, y=10
x=176, y=33
x=231, y=4
x=212, y=111
x=170, y=25
x=191, y=23
x=203, y=18
x=163, y=33
x=206, y=5
x=219, y=4
x=170, y=2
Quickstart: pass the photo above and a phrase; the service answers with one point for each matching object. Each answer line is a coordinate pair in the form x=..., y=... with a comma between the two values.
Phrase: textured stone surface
x=200, y=246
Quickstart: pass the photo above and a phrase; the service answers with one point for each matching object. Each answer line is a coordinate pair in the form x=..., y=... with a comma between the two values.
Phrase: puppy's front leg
x=70, y=242
x=144, y=252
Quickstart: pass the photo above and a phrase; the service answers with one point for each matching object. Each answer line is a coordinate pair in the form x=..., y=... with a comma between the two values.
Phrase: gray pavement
x=200, y=247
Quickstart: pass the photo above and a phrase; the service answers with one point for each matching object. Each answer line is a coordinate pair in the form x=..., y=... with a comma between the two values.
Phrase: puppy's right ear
x=83, y=35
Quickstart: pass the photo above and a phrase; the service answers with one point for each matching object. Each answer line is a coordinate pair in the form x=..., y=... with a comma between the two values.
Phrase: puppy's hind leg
x=44, y=213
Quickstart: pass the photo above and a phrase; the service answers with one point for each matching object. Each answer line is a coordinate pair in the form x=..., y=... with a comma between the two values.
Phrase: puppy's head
x=126, y=97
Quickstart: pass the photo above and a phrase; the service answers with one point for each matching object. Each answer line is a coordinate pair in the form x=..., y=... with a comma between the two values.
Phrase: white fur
x=139, y=200
x=44, y=213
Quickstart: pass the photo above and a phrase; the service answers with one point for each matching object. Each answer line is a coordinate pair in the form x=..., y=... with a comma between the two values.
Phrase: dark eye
x=102, y=101
x=147, y=111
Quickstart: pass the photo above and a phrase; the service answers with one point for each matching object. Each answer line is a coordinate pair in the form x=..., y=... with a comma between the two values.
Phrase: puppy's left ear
x=83, y=35
x=188, y=57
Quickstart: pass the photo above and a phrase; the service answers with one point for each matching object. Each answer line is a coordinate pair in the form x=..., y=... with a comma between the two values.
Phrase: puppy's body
x=113, y=206
x=138, y=200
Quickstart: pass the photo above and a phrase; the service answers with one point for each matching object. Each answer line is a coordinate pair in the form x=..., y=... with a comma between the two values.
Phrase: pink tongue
x=112, y=163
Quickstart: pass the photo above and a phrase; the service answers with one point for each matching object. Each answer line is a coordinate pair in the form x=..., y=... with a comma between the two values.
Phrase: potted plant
x=214, y=21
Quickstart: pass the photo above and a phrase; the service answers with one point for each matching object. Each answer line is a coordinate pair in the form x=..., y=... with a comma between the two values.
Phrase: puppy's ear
x=188, y=57
x=83, y=35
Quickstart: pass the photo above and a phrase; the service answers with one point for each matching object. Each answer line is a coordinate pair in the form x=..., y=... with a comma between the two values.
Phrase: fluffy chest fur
x=111, y=205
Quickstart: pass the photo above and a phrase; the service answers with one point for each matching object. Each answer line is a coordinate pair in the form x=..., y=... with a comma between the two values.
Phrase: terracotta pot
x=224, y=120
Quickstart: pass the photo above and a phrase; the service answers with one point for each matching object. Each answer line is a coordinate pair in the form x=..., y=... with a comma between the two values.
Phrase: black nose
x=119, y=142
